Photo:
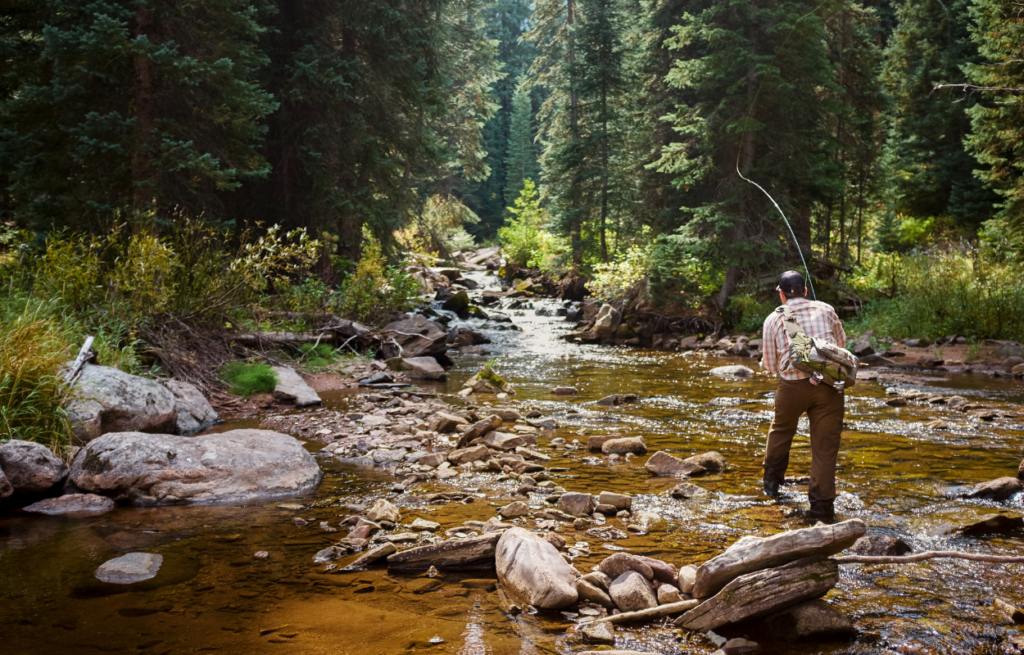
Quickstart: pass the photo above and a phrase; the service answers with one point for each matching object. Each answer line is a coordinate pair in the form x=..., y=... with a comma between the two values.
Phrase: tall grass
x=977, y=292
x=32, y=352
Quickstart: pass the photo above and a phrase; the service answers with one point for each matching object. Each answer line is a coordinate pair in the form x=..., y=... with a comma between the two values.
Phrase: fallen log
x=753, y=553
x=658, y=612
x=761, y=593
x=332, y=333
x=470, y=553
x=927, y=555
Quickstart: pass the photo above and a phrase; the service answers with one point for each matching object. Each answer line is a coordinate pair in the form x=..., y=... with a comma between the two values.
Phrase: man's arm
x=770, y=359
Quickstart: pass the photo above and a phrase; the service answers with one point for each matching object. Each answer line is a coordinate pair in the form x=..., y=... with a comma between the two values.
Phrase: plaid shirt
x=818, y=320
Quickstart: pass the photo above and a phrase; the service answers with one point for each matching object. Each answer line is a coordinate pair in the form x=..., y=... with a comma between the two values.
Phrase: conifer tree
x=521, y=162
x=998, y=121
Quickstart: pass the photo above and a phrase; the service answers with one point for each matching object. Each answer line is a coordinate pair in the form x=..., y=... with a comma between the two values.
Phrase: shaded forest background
x=888, y=132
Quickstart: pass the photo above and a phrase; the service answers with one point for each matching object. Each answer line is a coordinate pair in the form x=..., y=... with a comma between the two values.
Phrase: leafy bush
x=375, y=290
x=524, y=240
x=747, y=313
x=31, y=355
x=247, y=378
x=611, y=280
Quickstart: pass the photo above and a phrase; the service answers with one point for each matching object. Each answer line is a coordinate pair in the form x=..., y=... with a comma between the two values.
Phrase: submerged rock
x=619, y=399
x=161, y=469
x=30, y=467
x=108, y=400
x=736, y=371
x=291, y=387
x=130, y=568
x=999, y=489
x=687, y=490
x=993, y=524
x=880, y=545
x=530, y=568
x=72, y=504
x=711, y=461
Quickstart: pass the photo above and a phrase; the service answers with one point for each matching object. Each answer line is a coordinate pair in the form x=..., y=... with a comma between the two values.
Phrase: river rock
x=531, y=569
x=687, y=490
x=413, y=337
x=471, y=454
x=663, y=571
x=292, y=388
x=607, y=321
x=507, y=415
x=504, y=440
x=423, y=524
x=755, y=553
x=588, y=591
x=598, y=579
x=619, y=399
x=862, y=346
x=469, y=553
x=372, y=556
x=999, y=489
x=813, y=619
x=634, y=445
x=133, y=567
x=108, y=400
x=763, y=592
x=160, y=469
x=711, y=461
x=668, y=594
x=445, y=423
x=514, y=510
x=880, y=545
x=564, y=391
x=418, y=368
x=1010, y=612
x=957, y=402
x=615, y=565
x=577, y=504
x=618, y=501
x=599, y=633
x=736, y=371
x=687, y=578
x=6, y=489
x=664, y=465
x=458, y=303
x=194, y=411
x=466, y=340
x=382, y=510
x=30, y=467
x=632, y=592
x=72, y=504
x=479, y=429
x=993, y=524
x=595, y=443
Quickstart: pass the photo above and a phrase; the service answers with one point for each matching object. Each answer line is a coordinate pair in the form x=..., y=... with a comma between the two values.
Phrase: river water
x=212, y=595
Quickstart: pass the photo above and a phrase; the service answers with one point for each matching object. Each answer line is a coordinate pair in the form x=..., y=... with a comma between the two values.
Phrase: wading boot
x=822, y=509
x=771, y=487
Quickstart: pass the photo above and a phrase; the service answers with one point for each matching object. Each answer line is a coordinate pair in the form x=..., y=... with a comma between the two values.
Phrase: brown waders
x=824, y=407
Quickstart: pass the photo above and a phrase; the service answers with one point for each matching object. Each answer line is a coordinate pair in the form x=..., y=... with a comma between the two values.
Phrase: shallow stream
x=213, y=595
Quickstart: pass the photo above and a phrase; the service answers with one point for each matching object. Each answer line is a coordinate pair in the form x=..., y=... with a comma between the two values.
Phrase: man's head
x=791, y=285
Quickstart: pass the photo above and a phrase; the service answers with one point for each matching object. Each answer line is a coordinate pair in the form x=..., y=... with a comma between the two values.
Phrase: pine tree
x=521, y=162
x=998, y=121
x=932, y=172
x=113, y=105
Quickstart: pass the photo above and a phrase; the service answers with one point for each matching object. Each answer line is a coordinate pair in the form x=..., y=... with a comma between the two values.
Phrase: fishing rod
x=750, y=111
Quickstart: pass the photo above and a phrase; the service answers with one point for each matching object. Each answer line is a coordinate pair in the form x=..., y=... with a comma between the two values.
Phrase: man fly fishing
x=803, y=346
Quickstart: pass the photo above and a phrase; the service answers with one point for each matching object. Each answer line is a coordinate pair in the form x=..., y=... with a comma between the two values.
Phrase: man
x=800, y=393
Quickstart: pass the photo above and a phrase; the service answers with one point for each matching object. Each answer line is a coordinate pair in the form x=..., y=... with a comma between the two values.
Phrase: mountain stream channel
x=213, y=595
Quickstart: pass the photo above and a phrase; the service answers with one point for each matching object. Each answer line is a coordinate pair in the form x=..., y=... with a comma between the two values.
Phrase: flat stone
x=418, y=368
x=445, y=423
x=664, y=465
x=504, y=440
x=688, y=490
x=290, y=386
x=372, y=556
x=618, y=501
x=514, y=510
x=599, y=633
x=133, y=567
x=423, y=524
x=72, y=504
x=467, y=455
x=455, y=554
x=627, y=445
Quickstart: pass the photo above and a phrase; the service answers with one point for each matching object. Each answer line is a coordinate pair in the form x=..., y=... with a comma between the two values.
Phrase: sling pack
x=813, y=355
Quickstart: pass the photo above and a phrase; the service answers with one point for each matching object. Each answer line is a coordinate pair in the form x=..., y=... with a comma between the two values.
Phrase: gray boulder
x=6, y=489
x=607, y=321
x=133, y=567
x=664, y=465
x=531, y=569
x=418, y=368
x=194, y=411
x=108, y=400
x=736, y=371
x=30, y=467
x=413, y=337
x=161, y=469
x=72, y=504
x=292, y=388
x=631, y=592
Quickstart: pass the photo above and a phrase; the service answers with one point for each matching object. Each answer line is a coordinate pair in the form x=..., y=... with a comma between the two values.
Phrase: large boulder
x=413, y=337
x=292, y=388
x=30, y=467
x=418, y=368
x=194, y=411
x=108, y=400
x=161, y=469
x=607, y=321
x=458, y=303
x=531, y=569
x=631, y=592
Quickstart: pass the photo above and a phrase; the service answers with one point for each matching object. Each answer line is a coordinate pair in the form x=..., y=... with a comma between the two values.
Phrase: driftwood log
x=753, y=553
x=83, y=356
x=761, y=593
x=652, y=613
x=336, y=331
x=474, y=552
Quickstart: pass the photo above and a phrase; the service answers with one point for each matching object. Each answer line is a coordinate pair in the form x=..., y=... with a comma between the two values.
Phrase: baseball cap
x=791, y=283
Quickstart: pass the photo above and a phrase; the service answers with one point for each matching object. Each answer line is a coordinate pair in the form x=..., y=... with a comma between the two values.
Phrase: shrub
x=31, y=355
x=247, y=378
x=375, y=290
x=317, y=355
x=611, y=280
x=524, y=240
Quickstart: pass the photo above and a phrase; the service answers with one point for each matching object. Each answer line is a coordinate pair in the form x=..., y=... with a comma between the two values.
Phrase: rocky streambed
x=424, y=485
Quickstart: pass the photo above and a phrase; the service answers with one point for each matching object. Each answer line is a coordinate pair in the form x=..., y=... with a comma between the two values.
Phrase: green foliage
x=747, y=313
x=524, y=240
x=973, y=291
x=317, y=355
x=611, y=280
x=32, y=351
x=248, y=378
x=521, y=161
x=375, y=290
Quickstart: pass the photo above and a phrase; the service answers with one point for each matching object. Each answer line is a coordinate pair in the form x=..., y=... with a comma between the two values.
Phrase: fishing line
x=753, y=103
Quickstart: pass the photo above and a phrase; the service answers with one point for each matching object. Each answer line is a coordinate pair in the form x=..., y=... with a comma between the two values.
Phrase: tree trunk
x=604, y=173
x=145, y=117
x=575, y=222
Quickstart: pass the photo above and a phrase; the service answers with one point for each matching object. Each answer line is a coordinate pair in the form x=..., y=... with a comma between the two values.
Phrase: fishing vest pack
x=813, y=355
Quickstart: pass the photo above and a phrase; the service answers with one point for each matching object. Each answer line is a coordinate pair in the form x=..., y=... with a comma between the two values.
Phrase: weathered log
x=761, y=593
x=334, y=333
x=754, y=553
x=474, y=552
x=83, y=356
x=652, y=613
